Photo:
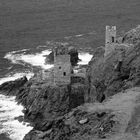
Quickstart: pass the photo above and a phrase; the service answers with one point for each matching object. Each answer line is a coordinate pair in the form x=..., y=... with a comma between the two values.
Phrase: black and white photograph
x=69, y=69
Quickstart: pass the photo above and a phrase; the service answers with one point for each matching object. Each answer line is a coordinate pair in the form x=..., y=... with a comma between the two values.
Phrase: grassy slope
x=31, y=22
x=124, y=107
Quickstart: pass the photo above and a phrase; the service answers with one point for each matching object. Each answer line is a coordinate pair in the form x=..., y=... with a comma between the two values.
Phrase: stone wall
x=62, y=69
x=110, y=39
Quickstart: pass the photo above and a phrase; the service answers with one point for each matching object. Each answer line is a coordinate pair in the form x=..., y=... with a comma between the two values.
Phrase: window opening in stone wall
x=59, y=67
x=113, y=39
x=64, y=73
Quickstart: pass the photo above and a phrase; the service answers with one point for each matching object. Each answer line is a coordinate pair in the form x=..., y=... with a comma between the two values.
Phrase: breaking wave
x=9, y=110
x=85, y=58
x=37, y=59
x=16, y=76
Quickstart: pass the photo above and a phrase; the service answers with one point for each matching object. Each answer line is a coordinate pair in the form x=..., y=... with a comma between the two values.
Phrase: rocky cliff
x=99, y=107
x=12, y=87
x=108, y=76
x=110, y=121
x=45, y=102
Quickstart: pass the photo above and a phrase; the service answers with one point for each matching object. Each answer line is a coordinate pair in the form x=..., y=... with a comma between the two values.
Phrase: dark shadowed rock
x=78, y=124
x=71, y=51
x=11, y=87
x=45, y=103
x=4, y=136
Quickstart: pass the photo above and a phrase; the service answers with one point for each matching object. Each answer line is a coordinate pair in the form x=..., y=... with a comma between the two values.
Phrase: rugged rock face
x=10, y=88
x=132, y=36
x=71, y=51
x=111, y=121
x=79, y=124
x=44, y=102
x=108, y=76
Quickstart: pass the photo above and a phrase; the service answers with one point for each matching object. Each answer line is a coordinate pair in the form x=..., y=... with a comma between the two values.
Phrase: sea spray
x=16, y=76
x=9, y=110
x=85, y=58
x=37, y=59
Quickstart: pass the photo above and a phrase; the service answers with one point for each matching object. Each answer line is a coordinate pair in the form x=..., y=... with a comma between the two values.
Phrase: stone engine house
x=110, y=39
x=62, y=67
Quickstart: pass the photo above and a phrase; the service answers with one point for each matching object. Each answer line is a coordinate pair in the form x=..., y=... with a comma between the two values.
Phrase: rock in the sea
x=70, y=50
x=11, y=87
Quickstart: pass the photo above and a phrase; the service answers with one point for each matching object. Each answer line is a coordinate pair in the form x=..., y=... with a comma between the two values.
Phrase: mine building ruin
x=110, y=39
x=62, y=67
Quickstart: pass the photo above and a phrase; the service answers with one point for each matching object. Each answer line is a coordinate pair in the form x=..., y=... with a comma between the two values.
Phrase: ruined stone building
x=110, y=39
x=62, y=67
x=116, y=45
x=113, y=43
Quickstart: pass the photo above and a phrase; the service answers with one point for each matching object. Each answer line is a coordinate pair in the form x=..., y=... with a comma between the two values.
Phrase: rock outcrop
x=108, y=75
x=132, y=36
x=12, y=87
x=70, y=50
x=45, y=103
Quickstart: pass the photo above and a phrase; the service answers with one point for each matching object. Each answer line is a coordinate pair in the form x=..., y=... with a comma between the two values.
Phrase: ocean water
x=21, y=63
x=9, y=110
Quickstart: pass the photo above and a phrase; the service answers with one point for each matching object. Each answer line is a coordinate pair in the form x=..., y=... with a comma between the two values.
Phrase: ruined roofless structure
x=110, y=39
x=112, y=43
x=62, y=66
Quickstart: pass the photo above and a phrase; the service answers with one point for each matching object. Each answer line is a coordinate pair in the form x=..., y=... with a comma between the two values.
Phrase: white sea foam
x=80, y=35
x=16, y=76
x=85, y=58
x=23, y=50
x=68, y=37
x=37, y=59
x=8, y=111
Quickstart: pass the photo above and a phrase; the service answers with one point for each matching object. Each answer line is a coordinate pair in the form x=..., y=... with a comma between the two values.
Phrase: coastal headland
x=102, y=105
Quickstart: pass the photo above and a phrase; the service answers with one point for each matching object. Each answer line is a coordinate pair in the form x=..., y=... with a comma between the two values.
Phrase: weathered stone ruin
x=110, y=39
x=112, y=43
x=62, y=67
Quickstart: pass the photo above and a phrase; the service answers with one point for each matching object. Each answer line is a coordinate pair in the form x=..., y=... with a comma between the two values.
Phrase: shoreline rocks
x=12, y=87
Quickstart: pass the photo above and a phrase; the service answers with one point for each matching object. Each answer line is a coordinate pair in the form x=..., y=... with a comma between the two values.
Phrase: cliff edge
x=105, y=105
